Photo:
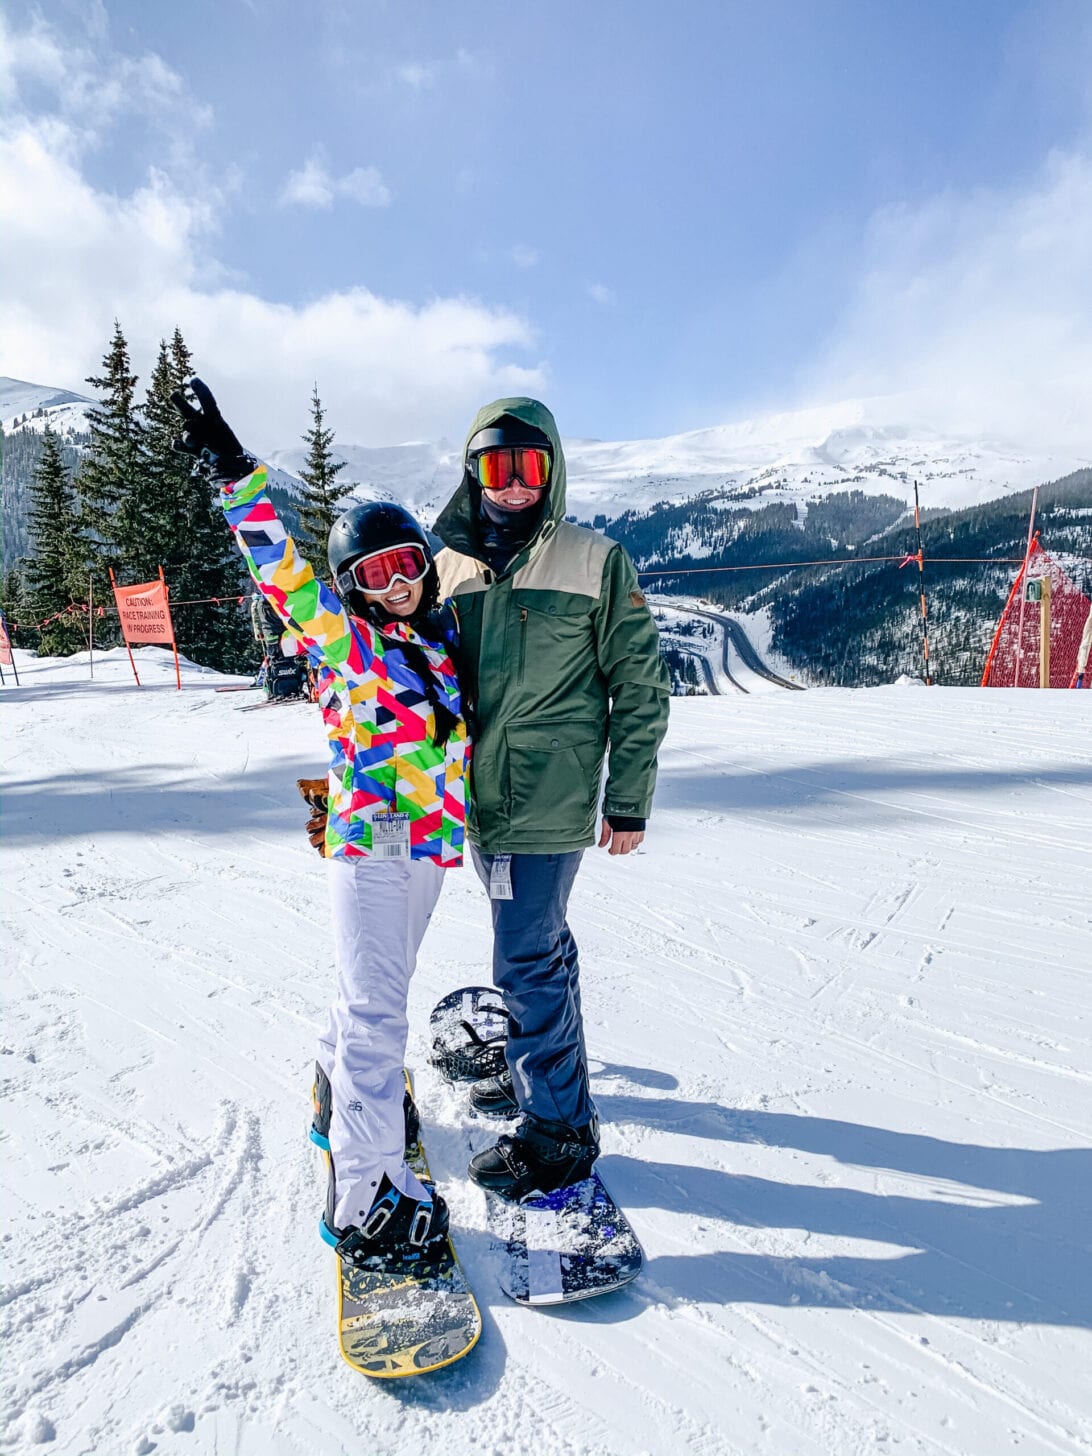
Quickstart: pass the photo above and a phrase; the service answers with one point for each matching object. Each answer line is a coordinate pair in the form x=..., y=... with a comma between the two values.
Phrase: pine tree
x=193, y=541
x=109, y=480
x=54, y=571
x=18, y=613
x=318, y=505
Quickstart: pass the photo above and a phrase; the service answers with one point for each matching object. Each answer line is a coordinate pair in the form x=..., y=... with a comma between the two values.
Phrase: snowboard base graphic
x=571, y=1244
x=400, y=1319
x=575, y=1243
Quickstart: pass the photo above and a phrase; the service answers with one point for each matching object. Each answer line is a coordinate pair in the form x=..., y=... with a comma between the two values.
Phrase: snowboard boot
x=398, y=1231
x=321, y=1104
x=321, y=1101
x=495, y=1096
x=541, y=1157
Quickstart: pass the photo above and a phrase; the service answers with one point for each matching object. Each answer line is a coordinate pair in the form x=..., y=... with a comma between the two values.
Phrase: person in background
x=1083, y=652
x=283, y=674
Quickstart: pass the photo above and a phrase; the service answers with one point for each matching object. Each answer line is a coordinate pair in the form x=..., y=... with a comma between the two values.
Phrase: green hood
x=456, y=524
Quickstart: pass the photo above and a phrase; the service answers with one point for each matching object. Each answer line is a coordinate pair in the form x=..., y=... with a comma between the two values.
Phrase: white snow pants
x=381, y=910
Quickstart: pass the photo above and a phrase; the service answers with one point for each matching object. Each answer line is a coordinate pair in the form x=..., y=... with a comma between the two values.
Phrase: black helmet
x=508, y=433
x=369, y=526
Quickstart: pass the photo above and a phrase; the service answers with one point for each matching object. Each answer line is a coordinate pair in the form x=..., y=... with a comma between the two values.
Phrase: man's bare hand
x=621, y=841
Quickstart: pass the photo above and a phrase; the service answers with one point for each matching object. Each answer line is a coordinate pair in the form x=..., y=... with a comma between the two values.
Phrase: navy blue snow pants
x=535, y=965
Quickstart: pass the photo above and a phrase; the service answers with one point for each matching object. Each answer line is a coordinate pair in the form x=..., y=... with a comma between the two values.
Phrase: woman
x=398, y=743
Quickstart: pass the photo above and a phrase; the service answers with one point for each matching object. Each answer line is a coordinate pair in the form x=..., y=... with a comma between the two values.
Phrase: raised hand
x=207, y=436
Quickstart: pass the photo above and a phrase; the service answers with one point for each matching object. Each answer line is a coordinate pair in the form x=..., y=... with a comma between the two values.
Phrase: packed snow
x=838, y=1011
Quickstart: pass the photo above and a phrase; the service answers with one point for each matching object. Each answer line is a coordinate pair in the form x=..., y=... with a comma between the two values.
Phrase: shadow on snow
x=973, y=1251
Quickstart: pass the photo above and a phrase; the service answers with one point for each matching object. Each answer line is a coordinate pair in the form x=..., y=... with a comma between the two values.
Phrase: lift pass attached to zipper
x=500, y=877
x=390, y=836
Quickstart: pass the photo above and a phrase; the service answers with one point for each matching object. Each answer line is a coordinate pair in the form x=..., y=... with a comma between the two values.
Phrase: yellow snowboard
x=393, y=1323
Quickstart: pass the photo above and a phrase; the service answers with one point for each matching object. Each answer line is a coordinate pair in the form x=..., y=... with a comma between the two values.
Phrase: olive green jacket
x=559, y=658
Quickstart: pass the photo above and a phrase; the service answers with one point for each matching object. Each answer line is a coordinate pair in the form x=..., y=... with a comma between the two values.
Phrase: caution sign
x=6, y=659
x=145, y=615
x=144, y=612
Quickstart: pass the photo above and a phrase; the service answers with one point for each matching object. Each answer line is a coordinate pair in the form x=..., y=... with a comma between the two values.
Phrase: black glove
x=208, y=437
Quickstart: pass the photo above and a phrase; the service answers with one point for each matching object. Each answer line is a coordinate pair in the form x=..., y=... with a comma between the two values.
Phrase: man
x=1083, y=651
x=559, y=660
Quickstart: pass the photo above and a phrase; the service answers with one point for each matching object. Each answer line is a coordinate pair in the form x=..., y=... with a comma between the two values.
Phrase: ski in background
x=574, y=1243
x=270, y=703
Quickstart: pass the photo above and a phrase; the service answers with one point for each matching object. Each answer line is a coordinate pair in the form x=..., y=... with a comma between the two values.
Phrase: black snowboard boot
x=398, y=1230
x=320, y=1113
x=495, y=1096
x=541, y=1157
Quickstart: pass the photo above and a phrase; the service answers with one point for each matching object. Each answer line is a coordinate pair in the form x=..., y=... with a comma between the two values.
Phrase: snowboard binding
x=469, y=1032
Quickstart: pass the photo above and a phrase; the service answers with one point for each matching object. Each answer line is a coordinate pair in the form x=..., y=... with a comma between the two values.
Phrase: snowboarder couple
x=532, y=631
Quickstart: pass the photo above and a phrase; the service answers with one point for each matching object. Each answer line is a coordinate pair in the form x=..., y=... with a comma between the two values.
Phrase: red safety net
x=1013, y=661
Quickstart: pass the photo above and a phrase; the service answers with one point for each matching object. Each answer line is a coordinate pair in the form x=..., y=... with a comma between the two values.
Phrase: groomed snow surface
x=839, y=1015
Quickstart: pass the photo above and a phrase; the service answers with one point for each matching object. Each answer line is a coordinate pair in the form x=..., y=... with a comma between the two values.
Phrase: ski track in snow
x=838, y=1012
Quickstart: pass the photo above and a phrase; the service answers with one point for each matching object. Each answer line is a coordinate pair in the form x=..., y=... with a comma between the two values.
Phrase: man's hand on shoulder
x=620, y=841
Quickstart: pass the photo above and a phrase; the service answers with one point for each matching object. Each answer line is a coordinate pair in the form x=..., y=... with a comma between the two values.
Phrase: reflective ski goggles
x=379, y=571
x=498, y=468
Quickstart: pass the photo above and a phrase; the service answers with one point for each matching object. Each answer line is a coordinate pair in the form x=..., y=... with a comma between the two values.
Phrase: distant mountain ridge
x=774, y=458
x=709, y=508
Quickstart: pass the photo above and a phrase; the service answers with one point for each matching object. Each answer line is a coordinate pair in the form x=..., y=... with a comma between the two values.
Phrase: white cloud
x=421, y=75
x=315, y=186
x=76, y=257
x=602, y=295
x=366, y=186
x=979, y=308
x=523, y=256
x=93, y=89
x=311, y=186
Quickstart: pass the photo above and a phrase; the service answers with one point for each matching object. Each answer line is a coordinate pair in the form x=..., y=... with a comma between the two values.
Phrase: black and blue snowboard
x=572, y=1244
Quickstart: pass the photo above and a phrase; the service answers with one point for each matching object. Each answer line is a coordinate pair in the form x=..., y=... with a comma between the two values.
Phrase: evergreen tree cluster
x=130, y=503
x=686, y=676
x=857, y=623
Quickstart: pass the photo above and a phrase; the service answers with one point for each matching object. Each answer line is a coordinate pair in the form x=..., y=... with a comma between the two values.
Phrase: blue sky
x=658, y=217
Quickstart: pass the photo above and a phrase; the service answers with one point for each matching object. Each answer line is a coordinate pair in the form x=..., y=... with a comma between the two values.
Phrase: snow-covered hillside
x=854, y=445
x=63, y=409
x=788, y=456
x=839, y=1015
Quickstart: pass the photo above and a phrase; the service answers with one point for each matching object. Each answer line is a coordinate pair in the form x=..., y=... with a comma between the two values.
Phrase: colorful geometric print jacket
x=377, y=714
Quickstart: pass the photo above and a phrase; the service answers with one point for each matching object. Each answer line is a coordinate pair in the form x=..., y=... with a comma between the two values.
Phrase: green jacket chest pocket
x=552, y=634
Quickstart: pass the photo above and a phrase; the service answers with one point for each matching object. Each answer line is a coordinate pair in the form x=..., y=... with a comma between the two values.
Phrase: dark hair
x=444, y=720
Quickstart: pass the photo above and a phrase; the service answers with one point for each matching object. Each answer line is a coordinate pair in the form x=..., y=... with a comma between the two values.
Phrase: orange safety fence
x=1013, y=659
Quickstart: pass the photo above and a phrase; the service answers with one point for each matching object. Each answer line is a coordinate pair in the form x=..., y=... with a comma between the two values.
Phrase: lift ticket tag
x=500, y=877
x=390, y=836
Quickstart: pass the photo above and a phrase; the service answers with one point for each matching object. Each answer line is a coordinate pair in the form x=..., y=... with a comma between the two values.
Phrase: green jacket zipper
x=522, y=642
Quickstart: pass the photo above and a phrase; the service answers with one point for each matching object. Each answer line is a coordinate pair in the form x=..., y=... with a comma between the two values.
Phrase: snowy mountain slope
x=858, y=444
x=787, y=456
x=61, y=408
x=839, y=1015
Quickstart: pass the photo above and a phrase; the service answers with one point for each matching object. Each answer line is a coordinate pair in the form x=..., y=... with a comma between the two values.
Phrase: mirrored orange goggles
x=498, y=468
